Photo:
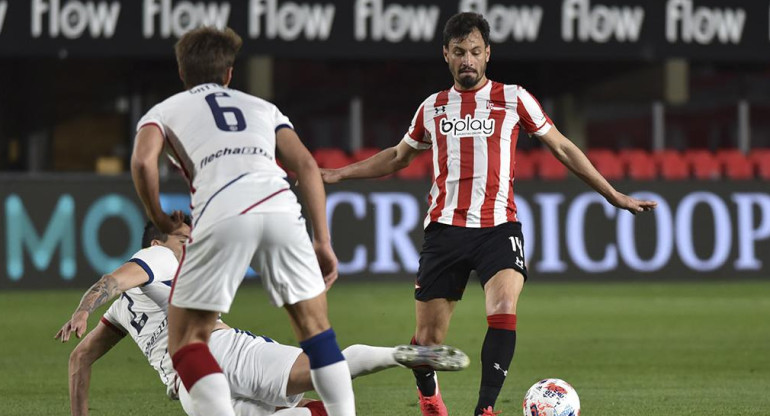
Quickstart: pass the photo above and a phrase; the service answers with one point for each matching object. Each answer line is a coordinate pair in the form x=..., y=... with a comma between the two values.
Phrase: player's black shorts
x=449, y=254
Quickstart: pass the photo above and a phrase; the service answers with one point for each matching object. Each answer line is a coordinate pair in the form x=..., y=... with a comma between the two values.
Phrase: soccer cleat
x=437, y=357
x=489, y=412
x=432, y=405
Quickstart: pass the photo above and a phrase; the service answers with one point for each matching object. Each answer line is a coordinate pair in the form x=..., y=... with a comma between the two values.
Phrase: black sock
x=425, y=378
x=496, y=356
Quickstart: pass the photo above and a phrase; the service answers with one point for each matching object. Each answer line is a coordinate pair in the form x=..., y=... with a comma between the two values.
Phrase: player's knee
x=77, y=359
x=502, y=306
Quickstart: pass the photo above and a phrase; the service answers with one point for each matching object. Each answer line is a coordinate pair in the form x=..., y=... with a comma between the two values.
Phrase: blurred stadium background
x=670, y=99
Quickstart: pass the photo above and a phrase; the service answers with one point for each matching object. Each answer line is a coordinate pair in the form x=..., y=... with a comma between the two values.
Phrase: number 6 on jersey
x=235, y=121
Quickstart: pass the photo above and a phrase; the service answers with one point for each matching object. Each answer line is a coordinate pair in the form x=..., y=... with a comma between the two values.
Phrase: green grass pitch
x=629, y=349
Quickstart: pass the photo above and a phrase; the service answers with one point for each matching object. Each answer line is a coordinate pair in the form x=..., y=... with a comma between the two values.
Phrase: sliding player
x=265, y=377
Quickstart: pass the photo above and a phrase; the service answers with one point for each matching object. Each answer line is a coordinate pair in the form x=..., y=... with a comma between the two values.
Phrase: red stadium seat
x=640, y=164
x=760, y=158
x=365, y=153
x=420, y=168
x=735, y=164
x=672, y=165
x=331, y=158
x=548, y=167
x=524, y=165
x=704, y=164
x=607, y=163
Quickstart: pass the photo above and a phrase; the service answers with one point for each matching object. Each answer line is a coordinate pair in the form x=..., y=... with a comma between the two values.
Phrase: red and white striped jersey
x=473, y=135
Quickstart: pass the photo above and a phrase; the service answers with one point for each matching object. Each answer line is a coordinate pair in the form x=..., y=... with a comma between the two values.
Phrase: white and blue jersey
x=256, y=367
x=141, y=312
x=224, y=142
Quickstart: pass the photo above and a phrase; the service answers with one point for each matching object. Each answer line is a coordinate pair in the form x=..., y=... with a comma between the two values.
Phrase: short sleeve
x=417, y=136
x=531, y=115
x=152, y=117
x=158, y=262
x=280, y=120
x=110, y=318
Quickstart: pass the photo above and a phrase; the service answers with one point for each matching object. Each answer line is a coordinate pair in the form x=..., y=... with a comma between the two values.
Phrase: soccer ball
x=551, y=397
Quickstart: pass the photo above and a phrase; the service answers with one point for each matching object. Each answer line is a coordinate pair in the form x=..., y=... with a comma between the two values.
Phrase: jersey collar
x=473, y=91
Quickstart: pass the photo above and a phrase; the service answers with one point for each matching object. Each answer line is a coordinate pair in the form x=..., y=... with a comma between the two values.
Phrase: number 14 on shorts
x=518, y=249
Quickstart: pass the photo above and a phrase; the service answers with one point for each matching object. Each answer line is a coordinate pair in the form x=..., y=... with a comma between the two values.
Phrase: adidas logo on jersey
x=467, y=126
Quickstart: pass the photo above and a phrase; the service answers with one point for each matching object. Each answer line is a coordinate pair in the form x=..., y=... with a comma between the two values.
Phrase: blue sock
x=322, y=349
x=330, y=374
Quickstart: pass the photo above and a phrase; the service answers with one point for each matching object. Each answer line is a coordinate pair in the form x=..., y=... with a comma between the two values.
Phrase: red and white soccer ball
x=551, y=397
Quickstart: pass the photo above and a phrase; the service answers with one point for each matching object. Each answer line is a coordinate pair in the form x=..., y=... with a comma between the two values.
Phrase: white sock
x=211, y=396
x=334, y=386
x=365, y=359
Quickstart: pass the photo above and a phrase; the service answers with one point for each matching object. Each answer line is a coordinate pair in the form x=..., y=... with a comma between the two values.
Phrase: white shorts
x=257, y=370
x=216, y=258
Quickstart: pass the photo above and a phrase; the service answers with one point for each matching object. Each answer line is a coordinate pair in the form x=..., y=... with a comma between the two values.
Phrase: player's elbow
x=139, y=165
x=305, y=165
x=560, y=151
x=400, y=164
x=309, y=163
x=400, y=160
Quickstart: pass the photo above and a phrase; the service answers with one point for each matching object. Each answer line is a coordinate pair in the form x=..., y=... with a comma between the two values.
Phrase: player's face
x=467, y=58
x=177, y=239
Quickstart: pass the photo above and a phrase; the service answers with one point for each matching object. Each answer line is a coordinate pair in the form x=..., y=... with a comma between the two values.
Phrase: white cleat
x=437, y=357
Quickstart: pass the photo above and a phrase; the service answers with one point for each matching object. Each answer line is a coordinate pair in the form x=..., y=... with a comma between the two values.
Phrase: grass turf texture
x=628, y=349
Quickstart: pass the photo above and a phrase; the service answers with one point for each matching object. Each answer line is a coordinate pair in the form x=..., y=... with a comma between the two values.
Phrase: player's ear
x=489, y=53
x=155, y=243
x=228, y=76
x=446, y=54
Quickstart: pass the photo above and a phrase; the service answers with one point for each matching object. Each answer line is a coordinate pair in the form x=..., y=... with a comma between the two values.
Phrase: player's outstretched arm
x=95, y=345
x=125, y=277
x=144, y=171
x=383, y=163
x=295, y=156
x=576, y=161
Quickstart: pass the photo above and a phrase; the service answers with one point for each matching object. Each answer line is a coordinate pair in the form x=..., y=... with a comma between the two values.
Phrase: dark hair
x=205, y=54
x=461, y=25
x=151, y=232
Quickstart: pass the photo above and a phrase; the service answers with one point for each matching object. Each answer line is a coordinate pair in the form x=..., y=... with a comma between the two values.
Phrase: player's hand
x=77, y=324
x=169, y=223
x=331, y=175
x=632, y=205
x=328, y=262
